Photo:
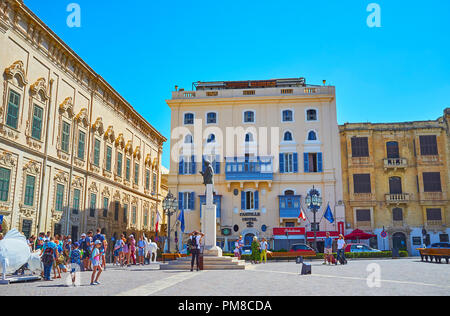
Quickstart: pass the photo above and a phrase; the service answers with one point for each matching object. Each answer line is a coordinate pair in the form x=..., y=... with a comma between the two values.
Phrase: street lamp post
x=169, y=205
x=313, y=202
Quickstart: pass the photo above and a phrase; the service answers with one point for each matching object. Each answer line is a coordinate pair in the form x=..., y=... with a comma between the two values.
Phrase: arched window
x=287, y=137
x=211, y=138
x=249, y=117
x=287, y=116
x=312, y=135
x=188, y=139
x=188, y=118
x=248, y=137
x=211, y=118
x=288, y=192
x=311, y=115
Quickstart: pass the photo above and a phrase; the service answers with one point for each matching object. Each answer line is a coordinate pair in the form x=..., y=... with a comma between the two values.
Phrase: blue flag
x=328, y=214
x=181, y=219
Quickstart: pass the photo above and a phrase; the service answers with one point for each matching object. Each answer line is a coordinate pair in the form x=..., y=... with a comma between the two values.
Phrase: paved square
x=397, y=277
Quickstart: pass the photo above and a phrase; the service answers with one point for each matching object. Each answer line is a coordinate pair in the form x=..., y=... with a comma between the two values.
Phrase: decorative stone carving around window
x=65, y=111
x=97, y=127
x=38, y=96
x=9, y=161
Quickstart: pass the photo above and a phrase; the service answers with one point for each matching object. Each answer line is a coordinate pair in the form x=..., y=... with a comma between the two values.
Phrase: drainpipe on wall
x=44, y=164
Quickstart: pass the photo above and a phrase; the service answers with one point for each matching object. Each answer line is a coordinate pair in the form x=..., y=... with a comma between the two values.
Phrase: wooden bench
x=172, y=256
x=434, y=253
x=291, y=254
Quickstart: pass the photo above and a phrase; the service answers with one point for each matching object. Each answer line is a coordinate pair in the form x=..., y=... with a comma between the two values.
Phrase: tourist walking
x=341, y=250
x=132, y=250
x=264, y=247
x=48, y=255
x=96, y=259
x=75, y=261
x=101, y=237
x=328, y=251
x=195, y=240
x=118, y=251
x=141, y=250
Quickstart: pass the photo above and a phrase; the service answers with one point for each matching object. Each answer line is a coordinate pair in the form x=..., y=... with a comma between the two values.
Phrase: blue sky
x=399, y=72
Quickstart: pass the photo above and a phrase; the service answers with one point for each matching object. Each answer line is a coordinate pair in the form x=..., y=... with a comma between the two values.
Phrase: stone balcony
x=395, y=163
x=363, y=196
x=397, y=198
x=432, y=196
x=434, y=223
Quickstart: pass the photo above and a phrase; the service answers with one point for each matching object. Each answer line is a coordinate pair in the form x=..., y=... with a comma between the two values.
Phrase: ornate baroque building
x=396, y=176
x=74, y=154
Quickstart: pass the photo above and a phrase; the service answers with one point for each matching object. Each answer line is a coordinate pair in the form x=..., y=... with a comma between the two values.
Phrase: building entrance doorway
x=248, y=238
x=399, y=241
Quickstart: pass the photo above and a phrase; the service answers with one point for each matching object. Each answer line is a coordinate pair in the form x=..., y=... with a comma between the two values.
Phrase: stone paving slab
x=398, y=277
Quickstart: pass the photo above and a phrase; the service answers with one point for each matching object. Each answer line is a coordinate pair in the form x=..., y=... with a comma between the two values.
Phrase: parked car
x=246, y=250
x=360, y=248
x=440, y=245
x=302, y=250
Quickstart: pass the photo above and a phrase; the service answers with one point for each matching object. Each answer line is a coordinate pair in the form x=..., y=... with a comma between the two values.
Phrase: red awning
x=358, y=234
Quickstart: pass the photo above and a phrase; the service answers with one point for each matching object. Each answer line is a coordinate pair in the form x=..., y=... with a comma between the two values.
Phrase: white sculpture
x=152, y=247
x=14, y=252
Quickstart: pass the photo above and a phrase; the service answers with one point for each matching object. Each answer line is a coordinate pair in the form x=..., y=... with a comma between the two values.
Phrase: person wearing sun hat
x=96, y=263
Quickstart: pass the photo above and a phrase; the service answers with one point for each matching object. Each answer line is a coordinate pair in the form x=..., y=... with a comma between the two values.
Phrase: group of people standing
x=328, y=251
x=259, y=249
x=127, y=250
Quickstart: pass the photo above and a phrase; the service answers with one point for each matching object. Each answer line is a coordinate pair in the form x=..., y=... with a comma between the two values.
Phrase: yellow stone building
x=396, y=177
x=74, y=154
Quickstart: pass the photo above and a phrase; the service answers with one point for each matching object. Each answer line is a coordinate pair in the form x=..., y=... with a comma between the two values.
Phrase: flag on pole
x=328, y=214
x=181, y=219
x=301, y=215
x=157, y=222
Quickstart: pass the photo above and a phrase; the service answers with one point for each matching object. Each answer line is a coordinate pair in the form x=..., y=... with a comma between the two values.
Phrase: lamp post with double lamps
x=170, y=207
x=313, y=202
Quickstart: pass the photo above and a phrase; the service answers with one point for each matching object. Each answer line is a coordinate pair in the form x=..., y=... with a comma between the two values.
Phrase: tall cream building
x=270, y=142
x=74, y=154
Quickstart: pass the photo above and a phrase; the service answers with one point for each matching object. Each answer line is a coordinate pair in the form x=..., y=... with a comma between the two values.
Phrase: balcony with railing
x=432, y=196
x=397, y=198
x=289, y=206
x=395, y=163
x=240, y=169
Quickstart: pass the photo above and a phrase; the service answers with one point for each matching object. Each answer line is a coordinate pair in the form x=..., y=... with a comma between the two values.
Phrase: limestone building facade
x=396, y=178
x=74, y=154
x=270, y=142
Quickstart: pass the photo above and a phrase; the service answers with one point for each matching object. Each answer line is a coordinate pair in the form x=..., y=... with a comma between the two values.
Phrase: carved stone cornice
x=67, y=107
x=32, y=167
x=7, y=159
x=16, y=69
x=82, y=117
x=39, y=86
x=98, y=126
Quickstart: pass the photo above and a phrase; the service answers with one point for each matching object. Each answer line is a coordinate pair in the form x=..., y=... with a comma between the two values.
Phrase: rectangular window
x=12, y=115
x=428, y=145
x=105, y=206
x=36, y=127
x=145, y=217
x=289, y=224
x=108, y=158
x=147, y=179
x=289, y=162
x=125, y=212
x=76, y=201
x=360, y=147
x=74, y=233
x=133, y=215
x=417, y=241
x=361, y=183
x=136, y=173
x=57, y=229
x=29, y=190
x=154, y=183
x=434, y=214
x=5, y=176
x=81, y=142
x=432, y=182
x=363, y=215
x=97, y=152
x=119, y=164
x=116, y=210
x=443, y=237
x=93, y=205
x=211, y=118
x=59, y=203
x=65, y=137
x=26, y=227
x=127, y=170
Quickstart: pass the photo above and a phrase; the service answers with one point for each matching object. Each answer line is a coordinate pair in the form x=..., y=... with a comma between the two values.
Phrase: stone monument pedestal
x=209, y=225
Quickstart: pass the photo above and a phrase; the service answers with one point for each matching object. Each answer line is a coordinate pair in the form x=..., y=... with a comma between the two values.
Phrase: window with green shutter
x=105, y=206
x=145, y=217
x=36, y=127
x=125, y=212
x=119, y=164
x=59, y=203
x=108, y=158
x=147, y=179
x=12, y=115
x=136, y=173
x=93, y=205
x=65, y=137
x=127, y=172
x=5, y=176
x=97, y=152
x=81, y=144
x=155, y=178
x=76, y=201
x=134, y=215
x=29, y=190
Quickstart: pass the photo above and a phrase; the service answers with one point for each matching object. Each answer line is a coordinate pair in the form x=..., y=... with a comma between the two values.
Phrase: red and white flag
x=157, y=221
x=302, y=214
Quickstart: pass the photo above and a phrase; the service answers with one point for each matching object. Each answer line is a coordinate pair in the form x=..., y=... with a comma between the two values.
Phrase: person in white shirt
x=341, y=249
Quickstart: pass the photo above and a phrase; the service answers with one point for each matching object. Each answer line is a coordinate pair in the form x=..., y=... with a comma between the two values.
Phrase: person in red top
x=132, y=250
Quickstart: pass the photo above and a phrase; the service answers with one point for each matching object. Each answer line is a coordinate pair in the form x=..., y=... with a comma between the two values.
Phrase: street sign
x=383, y=234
